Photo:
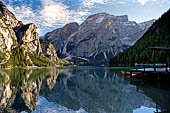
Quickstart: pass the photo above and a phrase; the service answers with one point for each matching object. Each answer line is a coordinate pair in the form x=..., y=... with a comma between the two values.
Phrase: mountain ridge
x=19, y=43
x=158, y=35
x=98, y=38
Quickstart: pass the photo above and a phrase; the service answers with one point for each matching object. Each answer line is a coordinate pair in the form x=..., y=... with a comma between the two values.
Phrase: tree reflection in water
x=87, y=89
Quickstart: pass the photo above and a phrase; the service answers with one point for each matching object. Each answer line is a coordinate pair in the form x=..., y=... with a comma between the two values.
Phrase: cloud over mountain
x=51, y=14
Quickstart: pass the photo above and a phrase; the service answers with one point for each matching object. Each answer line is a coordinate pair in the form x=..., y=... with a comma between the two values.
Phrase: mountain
x=19, y=44
x=97, y=39
x=59, y=36
x=158, y=35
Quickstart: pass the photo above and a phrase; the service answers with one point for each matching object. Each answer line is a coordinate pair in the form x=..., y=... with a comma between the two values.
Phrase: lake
x=78, y=90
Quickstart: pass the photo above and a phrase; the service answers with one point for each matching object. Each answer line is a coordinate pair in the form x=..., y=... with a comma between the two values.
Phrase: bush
x=40, y=61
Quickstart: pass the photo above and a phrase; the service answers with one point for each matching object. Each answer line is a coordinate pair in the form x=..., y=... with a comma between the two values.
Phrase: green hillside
x=158, y=35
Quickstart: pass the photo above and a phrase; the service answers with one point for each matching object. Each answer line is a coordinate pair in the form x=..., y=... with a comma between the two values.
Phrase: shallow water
x=77, y=90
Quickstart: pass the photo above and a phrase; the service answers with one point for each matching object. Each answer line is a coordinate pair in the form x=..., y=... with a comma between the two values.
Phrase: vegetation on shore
x=158, y=35
x=20, y=58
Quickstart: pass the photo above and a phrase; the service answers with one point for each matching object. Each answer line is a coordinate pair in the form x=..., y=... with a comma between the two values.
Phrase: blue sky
x=51, y=14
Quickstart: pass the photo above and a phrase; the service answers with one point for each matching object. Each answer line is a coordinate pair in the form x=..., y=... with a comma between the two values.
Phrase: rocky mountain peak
x=98, y=38
x=22, y=30
x=158, y=35
x=101, y=17
x=27, y=35
x=59, y=36
x=147, y=23
x=19, y=43
x=71, y=26
x=9, y=16
x=97, y=18
x=49, y=51
x=123, y=18
x=3, y=8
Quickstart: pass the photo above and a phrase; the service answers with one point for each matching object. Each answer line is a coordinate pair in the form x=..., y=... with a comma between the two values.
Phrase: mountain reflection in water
x=76, y=90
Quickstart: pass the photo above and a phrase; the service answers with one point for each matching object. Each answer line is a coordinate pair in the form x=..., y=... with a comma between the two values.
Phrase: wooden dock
x=149, y=69
x=155, y=68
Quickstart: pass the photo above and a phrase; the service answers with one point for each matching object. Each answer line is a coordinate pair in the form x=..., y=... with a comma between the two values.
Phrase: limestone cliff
x=7, y=34
x=19, y=43
x=9, y=16
x=49, y=51
x=27, y=37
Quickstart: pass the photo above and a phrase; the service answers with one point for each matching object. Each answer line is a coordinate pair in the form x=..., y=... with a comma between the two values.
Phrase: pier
x=155, y=68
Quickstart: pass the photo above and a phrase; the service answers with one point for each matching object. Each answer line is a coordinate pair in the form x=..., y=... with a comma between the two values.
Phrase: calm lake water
x=78, y=90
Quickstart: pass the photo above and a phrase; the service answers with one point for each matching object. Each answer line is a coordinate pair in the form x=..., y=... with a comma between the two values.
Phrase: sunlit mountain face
x=52, y=14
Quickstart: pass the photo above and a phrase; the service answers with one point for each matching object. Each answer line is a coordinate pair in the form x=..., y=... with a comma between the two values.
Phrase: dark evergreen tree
x=158, y=35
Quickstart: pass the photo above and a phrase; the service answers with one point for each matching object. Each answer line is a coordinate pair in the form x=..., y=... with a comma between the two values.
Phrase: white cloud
x=54, y=13
x=23, y=13
x=91, y=3
x=51, y=15
x=143, y=2
x=120, y=2
x=57, y=13
x=154, y=2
